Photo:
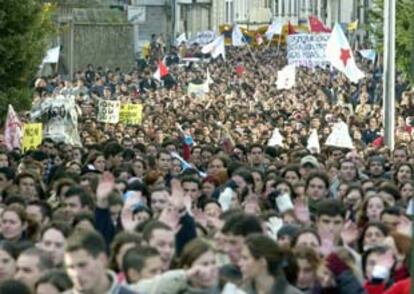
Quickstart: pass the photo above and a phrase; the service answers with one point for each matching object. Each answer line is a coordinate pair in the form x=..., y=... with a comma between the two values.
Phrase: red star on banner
x=345, y=55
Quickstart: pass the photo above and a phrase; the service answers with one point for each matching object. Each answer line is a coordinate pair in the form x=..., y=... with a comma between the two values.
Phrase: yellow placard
x=131, y=114
x=32, y=136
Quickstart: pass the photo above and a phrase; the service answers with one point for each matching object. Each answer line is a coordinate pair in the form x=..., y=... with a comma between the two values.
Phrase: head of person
x=85, y=261
x=372, y=207
x=308, y=261
x=52, y=240
x=390, y=217
x=330, y=217
x=370, y=258
x=353, y=197
x=159, y=199
x=40, y=211
x=285, y=236
x=141, y=263
x=372, y=235
x=389, y=192
x=8, y=258
x=14, y=223
x=53, y=282
x=317, y=186
x=164, y=160
x=31, y=265
x=97, y=160
x=192, y=187
x=406, y=191
x=122, y=242
x=291, y=174
x=403, y=173
x=216, y=165
x=26, y=184
x=209, y=185
x=212, y=208
x=77, y=200
x=348, y=171
x=113, y=154
x=399, y=155
x=236, y=228
x=160, y=236
x=308, y=164
x=260, y=256
x=255, y=154
x=376, y=166
x=307, y=237
x=7, y=176
x=244, y=181
x=200, y=253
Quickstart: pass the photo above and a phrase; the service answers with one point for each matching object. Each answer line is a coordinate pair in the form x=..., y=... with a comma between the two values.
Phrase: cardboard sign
x=307, y=49
x=108, y=111
x=131, y=114
x=32, y=136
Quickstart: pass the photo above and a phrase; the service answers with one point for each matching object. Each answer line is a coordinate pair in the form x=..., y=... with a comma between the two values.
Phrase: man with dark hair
x=255, y=157
x=236, y=228
x=316, y=189
x=192, y=187
x=85, y=261
x=141, y=263
x=330, y=218
x=31, y=265
x=52, y=240
x=164, y=161
x=40, y=210
x=399, y=155
x=390, y=217
x=113, y=154
x=77, y=200
x=26, y=184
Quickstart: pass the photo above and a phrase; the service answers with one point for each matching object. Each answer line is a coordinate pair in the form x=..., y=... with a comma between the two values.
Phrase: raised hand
x=349, y=233
x=105, y=187
x=301, y=210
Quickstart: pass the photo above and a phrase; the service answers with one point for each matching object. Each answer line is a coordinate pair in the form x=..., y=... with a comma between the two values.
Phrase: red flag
x=317, y=26
x=13, y=130
x=162, y=71
x=259, y=39
x=239, y=69
x=291, y=29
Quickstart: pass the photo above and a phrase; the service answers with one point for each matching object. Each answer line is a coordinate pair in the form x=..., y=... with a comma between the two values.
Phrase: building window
x=267, y=4
x=229, y=8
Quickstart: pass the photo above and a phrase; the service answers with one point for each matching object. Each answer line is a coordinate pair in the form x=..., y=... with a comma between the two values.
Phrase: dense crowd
x=122, y=213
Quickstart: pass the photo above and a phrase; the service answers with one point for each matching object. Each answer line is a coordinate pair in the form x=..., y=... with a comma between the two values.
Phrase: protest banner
x=59, y=116
x=32, y=136
x=199, y=90
x=307, y=50
x=202, y=38
x=108, y=111
x=130, y=114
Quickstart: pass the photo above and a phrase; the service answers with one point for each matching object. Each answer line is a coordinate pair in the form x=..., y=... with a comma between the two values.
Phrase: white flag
x=215, y=48
x=276, y=139
x=340, y=136
x=313, y=142
x=274, y=29
x=237, y=36
x=209, y=80
x=368, y=54
x=339, y=54
x=181, y=38
x=286, y=77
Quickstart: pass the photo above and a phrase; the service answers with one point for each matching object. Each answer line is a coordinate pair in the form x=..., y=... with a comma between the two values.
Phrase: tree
x=25, y=29
x=404, y=40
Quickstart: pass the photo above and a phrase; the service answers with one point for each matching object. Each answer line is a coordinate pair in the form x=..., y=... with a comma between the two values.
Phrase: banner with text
x=307, y=49
x=131, y=114
x=108, y=111
x=32, y=136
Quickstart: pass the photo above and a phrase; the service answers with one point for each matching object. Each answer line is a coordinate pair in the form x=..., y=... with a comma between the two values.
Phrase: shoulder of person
x=168, y=282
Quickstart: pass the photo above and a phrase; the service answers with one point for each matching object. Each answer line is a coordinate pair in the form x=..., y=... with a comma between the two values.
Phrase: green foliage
x=404, y=42
x=25, y=29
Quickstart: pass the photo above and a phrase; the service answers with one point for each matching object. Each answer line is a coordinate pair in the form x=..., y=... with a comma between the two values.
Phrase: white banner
x=307, y=49
x=108, y=111
x=203, y=38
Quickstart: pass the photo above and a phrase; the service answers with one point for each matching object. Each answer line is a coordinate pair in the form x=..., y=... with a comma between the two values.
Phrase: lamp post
x=389, y=72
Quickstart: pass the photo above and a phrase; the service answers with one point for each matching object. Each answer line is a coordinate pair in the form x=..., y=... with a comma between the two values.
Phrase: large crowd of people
x=197, y=200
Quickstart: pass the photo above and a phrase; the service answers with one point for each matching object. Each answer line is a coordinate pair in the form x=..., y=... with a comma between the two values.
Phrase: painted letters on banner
x=108, y=111
x=307, y=50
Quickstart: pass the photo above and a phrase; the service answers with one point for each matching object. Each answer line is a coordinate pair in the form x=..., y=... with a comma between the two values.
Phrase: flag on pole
x=286, y=77
x=237, y=37
x=259, y=39
x=161, y=72
x=181, y=38
x=369, y=54
x=317, y=26
x=339, y=54
x=291, y=29
x=13, y=130
x=276, y=139
x=340, y=136
x=274, y=29
x=215, y=48
x=313, y=142
x=353, y=26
